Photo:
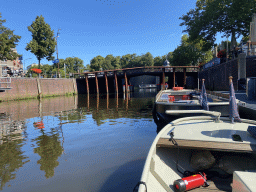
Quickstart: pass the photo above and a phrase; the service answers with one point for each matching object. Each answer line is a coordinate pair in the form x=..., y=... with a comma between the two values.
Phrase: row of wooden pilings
x=162, y=80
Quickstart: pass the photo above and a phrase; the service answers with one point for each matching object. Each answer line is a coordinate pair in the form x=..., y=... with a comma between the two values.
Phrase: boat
x=203, y=153
x=169, y=102
x=181, y=142
x=148, y=86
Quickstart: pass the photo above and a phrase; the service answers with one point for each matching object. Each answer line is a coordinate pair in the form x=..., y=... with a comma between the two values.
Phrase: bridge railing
x=138, y=70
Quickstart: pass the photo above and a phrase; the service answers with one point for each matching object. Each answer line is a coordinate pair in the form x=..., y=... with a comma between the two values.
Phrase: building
x=11, y=67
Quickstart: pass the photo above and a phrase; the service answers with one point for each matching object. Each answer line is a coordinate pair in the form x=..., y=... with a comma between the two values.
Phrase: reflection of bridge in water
x=111, y=78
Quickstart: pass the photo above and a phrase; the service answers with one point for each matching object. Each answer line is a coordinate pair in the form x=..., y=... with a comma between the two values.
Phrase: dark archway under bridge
x=113, y=80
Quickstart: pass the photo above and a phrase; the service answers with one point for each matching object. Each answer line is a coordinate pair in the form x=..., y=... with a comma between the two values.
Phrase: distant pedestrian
x=166, y=86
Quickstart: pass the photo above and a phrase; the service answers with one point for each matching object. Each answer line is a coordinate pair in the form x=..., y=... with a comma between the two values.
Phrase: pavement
x=241, y=95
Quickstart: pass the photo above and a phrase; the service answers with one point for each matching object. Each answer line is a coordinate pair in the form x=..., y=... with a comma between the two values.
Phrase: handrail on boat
x=214, y=113
x=177, y=121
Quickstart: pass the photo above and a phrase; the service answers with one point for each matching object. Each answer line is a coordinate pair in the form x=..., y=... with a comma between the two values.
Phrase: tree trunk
x=233, y=41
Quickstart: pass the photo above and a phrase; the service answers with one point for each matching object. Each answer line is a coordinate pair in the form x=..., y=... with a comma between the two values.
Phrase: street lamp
x=57, y=49
x=24, y=64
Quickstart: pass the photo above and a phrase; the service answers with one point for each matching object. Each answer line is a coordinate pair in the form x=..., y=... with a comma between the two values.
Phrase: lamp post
x=24, y=64
x=65, y=69
x=57, y=49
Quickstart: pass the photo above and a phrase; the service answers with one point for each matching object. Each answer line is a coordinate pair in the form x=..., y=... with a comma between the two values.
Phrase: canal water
x=80, y=143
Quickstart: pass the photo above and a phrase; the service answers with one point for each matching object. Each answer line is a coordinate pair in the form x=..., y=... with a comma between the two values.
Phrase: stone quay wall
x=25, y=88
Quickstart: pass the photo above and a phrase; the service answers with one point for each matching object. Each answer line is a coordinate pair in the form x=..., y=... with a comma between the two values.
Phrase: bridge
x=174, y=74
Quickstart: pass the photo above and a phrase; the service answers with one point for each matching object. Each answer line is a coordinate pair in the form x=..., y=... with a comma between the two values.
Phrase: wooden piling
x=126, y=82
x=116, y=83
x=163, y=79
x=106, y=80
x=96, y=81
x=87, y=83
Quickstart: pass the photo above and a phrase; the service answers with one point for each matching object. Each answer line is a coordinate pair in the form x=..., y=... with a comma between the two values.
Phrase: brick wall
x=56, y=86
x=28, y=88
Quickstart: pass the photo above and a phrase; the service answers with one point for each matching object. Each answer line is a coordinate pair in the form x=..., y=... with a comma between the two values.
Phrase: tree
x=107, y=64
x=188, y=54
x=126, y=60
x=78, y=65
x=8, y=42
x=158, y=61
x=116, y=63
x=43, y=42
x=230, y=17
x=97, y=63
x=147, y=60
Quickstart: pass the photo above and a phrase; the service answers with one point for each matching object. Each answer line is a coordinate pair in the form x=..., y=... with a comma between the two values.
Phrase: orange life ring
x=177, y=88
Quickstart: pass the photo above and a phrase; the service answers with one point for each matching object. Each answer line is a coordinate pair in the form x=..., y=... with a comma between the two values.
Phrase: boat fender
x=136, y=188
x=191, y=182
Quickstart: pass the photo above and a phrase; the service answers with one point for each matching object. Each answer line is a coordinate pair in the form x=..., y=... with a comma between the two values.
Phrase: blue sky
x=100, y=27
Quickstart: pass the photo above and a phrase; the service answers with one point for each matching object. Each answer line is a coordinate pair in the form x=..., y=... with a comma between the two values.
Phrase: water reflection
x=11, y=142
x=102, y=107
x=94, y=126
x=50, y=149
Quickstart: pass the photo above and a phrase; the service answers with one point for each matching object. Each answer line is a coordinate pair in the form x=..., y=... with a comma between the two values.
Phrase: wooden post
x=96, y=81
x=163, y=80
x=88, y=102
x=173, y=77
x=184, y=80
x=98, y=101
x=126, y=82
x=87, y=83
x=106, y=80
x=39, y=88
x=107, y=101
x=116, y=83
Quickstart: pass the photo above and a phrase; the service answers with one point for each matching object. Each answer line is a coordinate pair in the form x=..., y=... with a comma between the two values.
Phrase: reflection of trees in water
x=72, y=116
x=137, y=108
x=102, y=108
x=11, y=158
x=50, y=149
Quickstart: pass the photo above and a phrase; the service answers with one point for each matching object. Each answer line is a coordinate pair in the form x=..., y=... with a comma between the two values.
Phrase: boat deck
x=218, y=138
x=217, y=185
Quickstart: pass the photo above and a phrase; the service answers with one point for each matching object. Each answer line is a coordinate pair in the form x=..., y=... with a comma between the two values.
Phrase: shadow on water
x=125, y=177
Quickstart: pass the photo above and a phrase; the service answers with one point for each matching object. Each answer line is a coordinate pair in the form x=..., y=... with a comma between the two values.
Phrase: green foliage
x=158, y=61
x=8, y=41
x=188, y=53
x=146, y=60
x=230, y=17
x=97, y=63
x=43, y=42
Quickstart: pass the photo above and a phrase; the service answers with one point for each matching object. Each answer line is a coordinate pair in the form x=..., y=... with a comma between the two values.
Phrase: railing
x=136, y=70
x=5, y=83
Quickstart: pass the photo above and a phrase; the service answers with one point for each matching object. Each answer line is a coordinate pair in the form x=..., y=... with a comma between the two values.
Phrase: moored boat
x=148, y=86
x=202, y=144
x=203, y=153
x=179, y=99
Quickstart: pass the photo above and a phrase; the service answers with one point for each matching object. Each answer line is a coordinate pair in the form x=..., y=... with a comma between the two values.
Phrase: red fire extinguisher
x=190, y=182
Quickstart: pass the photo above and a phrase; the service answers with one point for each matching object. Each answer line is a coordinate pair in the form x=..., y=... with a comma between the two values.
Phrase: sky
x=89, y=28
